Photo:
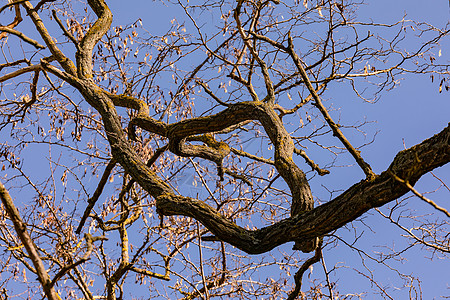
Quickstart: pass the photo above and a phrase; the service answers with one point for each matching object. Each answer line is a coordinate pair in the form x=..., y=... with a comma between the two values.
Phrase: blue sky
x=410, y=113
x=405, y=116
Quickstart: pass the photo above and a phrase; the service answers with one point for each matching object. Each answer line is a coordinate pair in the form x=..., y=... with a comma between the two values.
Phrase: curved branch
x=94, y=34
x=358, y=199
x=410, y=164
x=178, y=132
x=305, y=266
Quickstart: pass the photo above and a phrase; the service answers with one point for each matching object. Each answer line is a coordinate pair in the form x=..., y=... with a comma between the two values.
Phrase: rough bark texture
x=306, y=223
x=262, y=61
x=358, y=199
x=409, y=164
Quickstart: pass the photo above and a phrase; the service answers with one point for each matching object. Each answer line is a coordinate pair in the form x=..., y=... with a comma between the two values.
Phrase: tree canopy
x=188, y=162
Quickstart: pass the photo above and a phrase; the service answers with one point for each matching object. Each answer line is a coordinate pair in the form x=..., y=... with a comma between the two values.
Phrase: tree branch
x=65, y=62
x=335, y=127
x=299, y=275
x=22, y=36
x=91, y=202
x=415, y=192
x=358, y=199
x=94, y=34
x=22, y=232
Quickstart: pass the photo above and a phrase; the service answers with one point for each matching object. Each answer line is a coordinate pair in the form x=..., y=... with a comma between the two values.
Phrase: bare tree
x=164, y=161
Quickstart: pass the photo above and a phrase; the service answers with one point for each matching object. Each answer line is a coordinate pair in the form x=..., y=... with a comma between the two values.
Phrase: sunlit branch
x=15, y=22
x=11, y=3
x=327, y=275
x=65, y=62
x=92, y=36
x=335, y=127
x=254, y=157
x=22, y=36
x=22, y=232
x=202, y=272
x=98, y=191
x=421, y=196
x=150, y=273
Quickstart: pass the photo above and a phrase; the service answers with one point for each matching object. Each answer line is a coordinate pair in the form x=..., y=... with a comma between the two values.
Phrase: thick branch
x=94, y=34
x=177, y=133
x=295, y=178
x=358, y=199
x=409, y=164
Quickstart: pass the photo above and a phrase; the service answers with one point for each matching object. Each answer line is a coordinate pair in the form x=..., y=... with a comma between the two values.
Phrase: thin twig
x=89, y=243
x=421, y=196
x=298, y=276
x=209, y=92
x=205, y=285
x=97, y=193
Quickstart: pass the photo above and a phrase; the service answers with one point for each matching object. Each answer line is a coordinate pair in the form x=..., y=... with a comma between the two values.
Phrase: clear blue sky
x=406, y=115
